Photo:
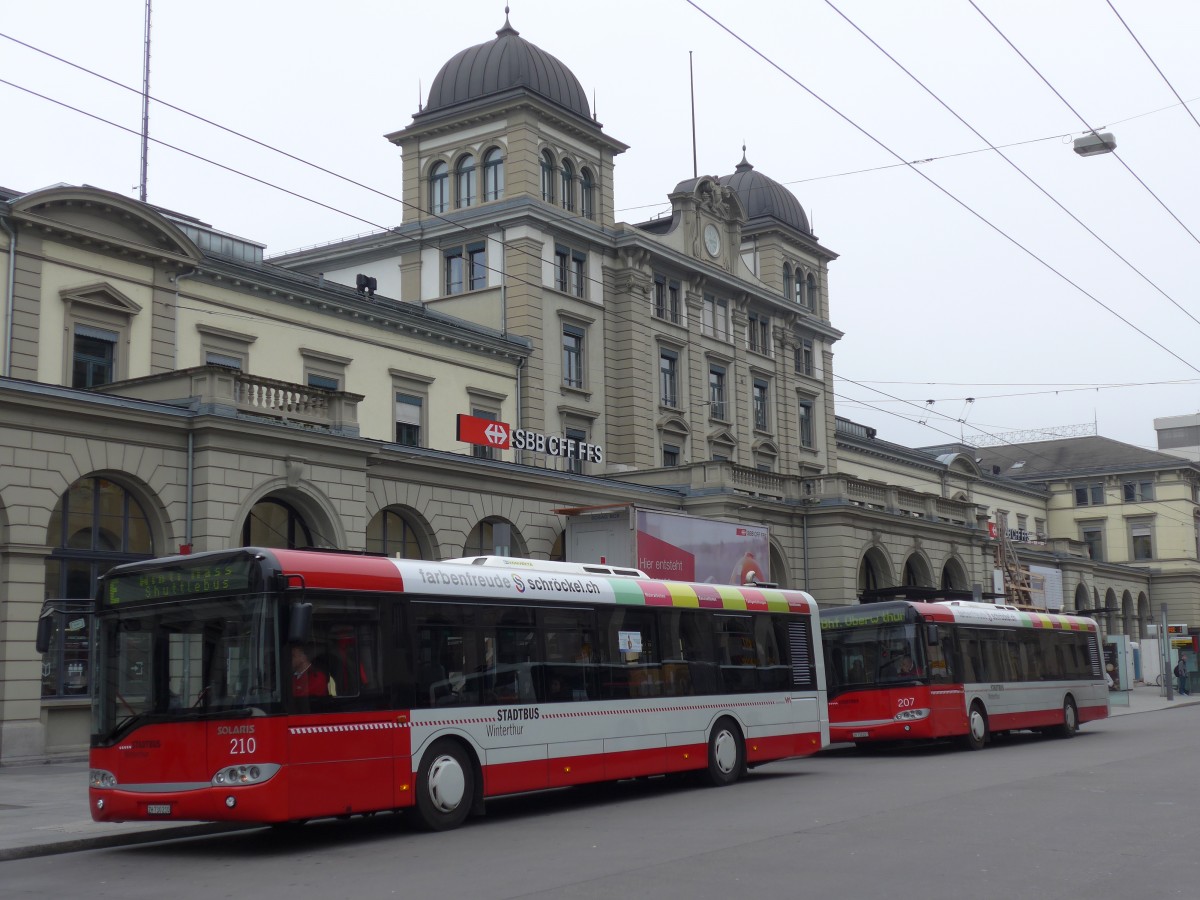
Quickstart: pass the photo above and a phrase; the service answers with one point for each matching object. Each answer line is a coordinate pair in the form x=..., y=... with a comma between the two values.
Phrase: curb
x=124, y=839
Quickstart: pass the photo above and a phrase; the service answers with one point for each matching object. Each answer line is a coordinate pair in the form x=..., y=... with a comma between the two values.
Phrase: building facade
x=164, y=388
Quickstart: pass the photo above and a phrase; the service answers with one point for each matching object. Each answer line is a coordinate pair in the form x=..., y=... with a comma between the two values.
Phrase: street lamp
x=1094, y=143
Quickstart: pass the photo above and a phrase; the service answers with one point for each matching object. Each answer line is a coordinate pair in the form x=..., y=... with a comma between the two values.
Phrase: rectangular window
x=94, y=361
x=1141, y=541
x=716, y=393
x=1039, y=528
x=1137, y=491
x=668, y=368
x=454, y=270
x=478, y=451
x=466, y=268
x=1089, y=494
x=804, y=358
x=570, y=271
x=562, y=262
x=716, y=318
x=670, y=455
x=1022, y=522
x=572, y=361
x=212, y=358
x=758, y=333
x=408, y=420
x=324, y=382
x=761, y=405
x=1093, y=539
x=666, y=299
x=477, y=265
x=575, y=463
x=805, y=411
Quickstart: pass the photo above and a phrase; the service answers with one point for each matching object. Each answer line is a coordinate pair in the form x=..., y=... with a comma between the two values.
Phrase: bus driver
x=306, y=680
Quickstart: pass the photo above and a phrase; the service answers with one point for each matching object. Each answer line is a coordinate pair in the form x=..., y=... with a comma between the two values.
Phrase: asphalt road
x=1111, y=813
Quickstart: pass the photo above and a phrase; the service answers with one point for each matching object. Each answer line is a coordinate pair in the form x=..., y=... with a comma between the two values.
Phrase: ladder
x=1017, y=590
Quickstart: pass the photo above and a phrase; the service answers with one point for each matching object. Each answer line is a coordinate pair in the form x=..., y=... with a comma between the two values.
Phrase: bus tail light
x=239, y=776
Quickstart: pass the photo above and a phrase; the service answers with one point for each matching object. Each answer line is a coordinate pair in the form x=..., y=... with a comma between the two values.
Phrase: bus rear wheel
x=977, y=728
x=1070, y=723
x=726, y=753
x=445, y=786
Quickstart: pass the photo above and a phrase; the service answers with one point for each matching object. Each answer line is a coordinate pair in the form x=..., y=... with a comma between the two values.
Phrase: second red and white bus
x=277, y=686
x=909, y=671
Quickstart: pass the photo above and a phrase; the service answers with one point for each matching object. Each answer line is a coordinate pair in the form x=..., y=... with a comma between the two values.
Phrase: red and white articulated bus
x=909, y=671
x=278, y=686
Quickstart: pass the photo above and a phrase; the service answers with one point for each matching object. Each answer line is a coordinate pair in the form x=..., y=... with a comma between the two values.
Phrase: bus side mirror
x=45, y=631
x=300, y=623
x=931, y=635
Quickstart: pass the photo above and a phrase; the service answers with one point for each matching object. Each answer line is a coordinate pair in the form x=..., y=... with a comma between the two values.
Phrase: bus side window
x=631, y=654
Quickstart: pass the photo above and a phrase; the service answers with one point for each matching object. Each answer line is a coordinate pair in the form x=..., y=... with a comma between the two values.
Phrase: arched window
x=568, y=185
x=587, y=194
x=787, y=280
x=810, y=291
x=391, y=534
x=494, y=537
x=799, y=287
x=465, y=183
x=493, y=174
x=96, y=525
x=439, y=188
x=275, y=523
x=548, y=168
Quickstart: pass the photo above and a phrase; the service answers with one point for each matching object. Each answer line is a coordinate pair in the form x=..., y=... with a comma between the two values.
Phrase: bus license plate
x=859, y=734
x=158, y=809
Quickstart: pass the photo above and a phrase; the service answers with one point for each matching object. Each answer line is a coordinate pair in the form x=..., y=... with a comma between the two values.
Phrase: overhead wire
x=306, y=162
x=1142, y=47
x=1017, y=168
x=1085, y=122
x=1031, y=453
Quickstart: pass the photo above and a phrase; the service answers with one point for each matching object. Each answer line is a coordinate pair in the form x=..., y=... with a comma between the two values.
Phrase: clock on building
x=712, y=239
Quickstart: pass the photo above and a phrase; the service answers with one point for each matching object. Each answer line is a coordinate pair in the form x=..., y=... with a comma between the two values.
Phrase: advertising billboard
x=686, y=548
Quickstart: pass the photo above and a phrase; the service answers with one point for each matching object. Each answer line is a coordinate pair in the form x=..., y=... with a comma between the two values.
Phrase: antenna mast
x=692, y=81
x=145, y=109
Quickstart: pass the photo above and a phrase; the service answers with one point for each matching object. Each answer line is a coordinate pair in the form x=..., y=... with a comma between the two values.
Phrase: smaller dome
x=502, y=64
x=765, y=197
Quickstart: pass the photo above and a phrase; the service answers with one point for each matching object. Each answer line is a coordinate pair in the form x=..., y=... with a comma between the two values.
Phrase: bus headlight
x=102, y=778
x=239, y=776
x=910, y=715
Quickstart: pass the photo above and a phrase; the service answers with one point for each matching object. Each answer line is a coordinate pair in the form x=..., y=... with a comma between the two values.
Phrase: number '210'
x=241, y=746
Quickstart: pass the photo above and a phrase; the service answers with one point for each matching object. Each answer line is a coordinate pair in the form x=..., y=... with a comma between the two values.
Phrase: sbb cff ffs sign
x=501, y=436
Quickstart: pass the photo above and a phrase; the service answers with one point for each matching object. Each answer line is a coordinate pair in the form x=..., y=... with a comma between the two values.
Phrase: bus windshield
x=185, y=659
x=874, y=655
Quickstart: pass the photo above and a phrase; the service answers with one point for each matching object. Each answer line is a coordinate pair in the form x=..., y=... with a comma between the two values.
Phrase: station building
x=165, y=387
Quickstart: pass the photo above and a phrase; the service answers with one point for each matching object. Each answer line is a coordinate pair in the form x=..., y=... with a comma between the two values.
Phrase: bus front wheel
x=445, y=786
x=977, y=728
x=726, y=753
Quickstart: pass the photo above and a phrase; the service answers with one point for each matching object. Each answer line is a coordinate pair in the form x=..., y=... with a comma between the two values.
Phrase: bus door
x=947, y=703
x=341, y=732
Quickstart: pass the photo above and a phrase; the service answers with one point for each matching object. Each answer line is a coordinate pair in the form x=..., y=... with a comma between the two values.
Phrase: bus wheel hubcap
x=447, y=784
x=977, y=726
x=725, y=751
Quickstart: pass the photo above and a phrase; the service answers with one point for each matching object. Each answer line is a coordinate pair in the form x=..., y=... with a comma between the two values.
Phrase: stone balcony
x=222, y=391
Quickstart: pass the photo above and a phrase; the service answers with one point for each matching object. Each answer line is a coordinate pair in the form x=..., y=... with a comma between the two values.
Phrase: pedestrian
x=1181, y=672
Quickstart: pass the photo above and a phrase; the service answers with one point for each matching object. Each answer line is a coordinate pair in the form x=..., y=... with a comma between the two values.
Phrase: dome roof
x=763, y=196
x=507, y=62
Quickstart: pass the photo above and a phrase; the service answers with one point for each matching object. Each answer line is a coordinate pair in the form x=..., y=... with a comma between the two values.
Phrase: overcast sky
x=957, y=278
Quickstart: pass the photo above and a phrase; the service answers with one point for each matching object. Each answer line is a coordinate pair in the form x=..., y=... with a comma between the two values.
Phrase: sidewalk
x=43, y=808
